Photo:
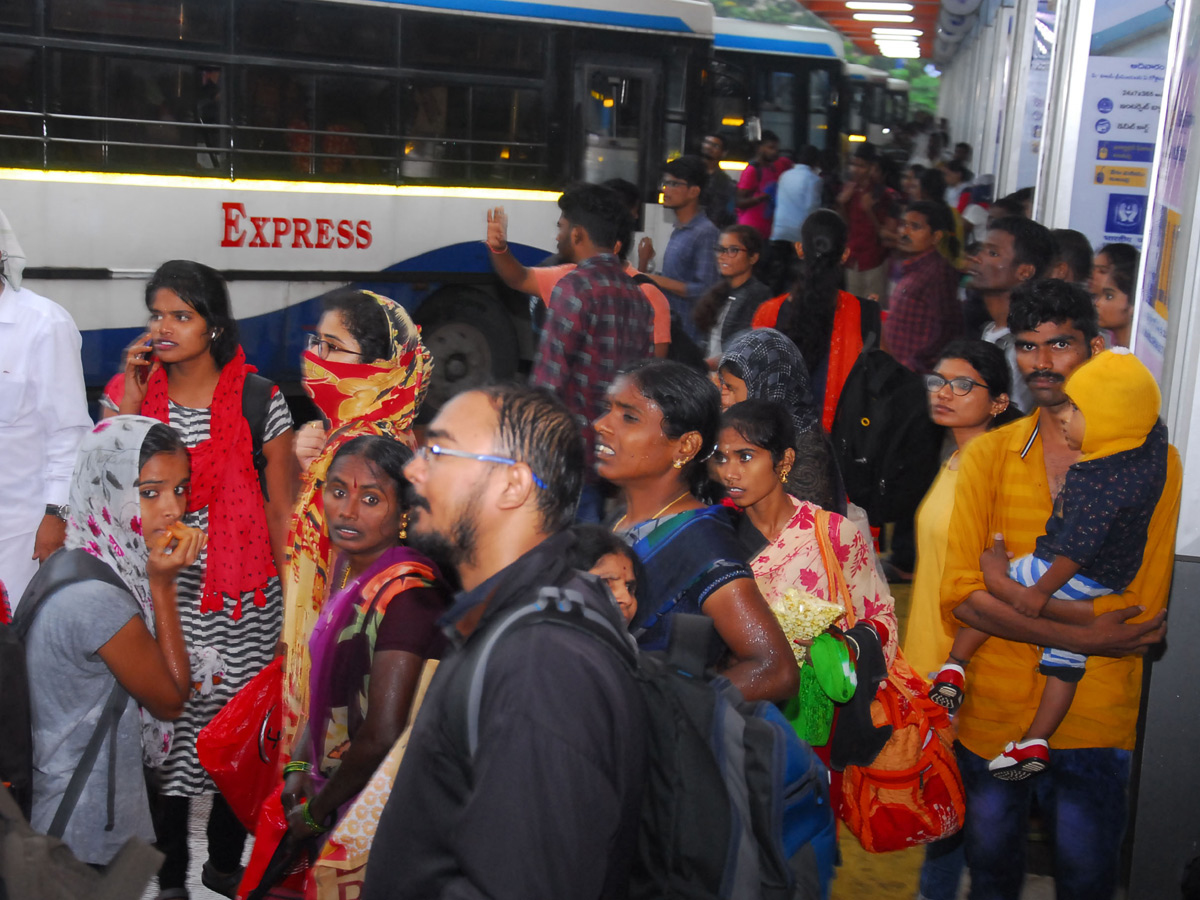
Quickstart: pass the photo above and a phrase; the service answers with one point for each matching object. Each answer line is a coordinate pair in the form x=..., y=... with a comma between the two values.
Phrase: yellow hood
x=1119, y=399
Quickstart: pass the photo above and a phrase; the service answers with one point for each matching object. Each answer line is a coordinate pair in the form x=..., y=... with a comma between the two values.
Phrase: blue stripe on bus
x=772, y=45
x=274, y=340
x=565, y=13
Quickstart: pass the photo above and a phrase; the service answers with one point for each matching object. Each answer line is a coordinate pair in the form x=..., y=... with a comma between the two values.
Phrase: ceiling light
x=880, y=7
x=898, y=50
x=897, y=32
x=881, y=17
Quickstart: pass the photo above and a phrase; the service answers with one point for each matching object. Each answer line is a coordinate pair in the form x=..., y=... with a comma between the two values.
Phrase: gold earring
x=403, y=533
x=783, y=476
x=677, y=464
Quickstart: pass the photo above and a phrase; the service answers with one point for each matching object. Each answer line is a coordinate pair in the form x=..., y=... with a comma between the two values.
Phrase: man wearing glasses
x=689, y=266
x=545, y=801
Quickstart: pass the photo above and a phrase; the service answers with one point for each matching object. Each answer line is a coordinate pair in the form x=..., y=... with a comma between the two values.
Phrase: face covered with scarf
x=380, y=397
x=773, y=369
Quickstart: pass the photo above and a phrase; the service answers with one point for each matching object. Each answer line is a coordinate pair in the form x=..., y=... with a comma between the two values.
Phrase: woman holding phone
x=188, y=370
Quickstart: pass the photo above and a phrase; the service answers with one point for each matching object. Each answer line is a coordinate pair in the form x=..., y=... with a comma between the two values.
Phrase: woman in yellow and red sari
x=367, y=371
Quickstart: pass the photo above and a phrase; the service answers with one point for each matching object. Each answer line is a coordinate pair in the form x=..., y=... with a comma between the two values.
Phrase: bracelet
x=296, y=766
x=503, y=249
x=310, y=821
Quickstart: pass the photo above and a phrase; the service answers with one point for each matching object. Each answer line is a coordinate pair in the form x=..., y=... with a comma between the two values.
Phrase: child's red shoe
x=1021, y=760
x=949, y=687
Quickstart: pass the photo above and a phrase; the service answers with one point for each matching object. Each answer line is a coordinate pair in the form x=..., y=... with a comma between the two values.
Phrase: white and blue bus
x=302, y=145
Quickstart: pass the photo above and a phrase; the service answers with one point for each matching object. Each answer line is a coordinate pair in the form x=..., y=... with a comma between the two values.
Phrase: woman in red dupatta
x=188, y=370
x=823, y=321
x=367, y=371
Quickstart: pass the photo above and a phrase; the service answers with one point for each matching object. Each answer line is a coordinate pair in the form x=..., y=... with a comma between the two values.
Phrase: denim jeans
x=942, y=870
x=1083, y=796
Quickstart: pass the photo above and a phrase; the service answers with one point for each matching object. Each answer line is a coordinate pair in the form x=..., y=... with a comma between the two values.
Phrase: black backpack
x=735, y=805
x=256, y=403
x=62, y=568
x=887, y=447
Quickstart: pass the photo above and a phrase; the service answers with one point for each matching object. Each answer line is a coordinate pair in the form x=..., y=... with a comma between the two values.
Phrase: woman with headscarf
x=118, y=624
x=763, y=364
x=367, y=371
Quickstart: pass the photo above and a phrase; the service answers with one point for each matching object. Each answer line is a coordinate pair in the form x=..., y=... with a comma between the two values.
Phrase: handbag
x=240, y=746
x=912, y=792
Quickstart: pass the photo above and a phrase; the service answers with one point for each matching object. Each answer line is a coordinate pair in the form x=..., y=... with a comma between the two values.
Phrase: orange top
x=844, y=345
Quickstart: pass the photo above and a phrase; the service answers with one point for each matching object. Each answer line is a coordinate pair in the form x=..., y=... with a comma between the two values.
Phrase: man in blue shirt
x=798, y=194
x=689, y=264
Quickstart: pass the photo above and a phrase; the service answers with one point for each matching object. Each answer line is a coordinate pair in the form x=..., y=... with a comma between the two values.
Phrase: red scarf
x=224, y=479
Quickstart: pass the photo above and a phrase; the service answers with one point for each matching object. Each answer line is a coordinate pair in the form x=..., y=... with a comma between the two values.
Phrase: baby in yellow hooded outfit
x=1094, y=539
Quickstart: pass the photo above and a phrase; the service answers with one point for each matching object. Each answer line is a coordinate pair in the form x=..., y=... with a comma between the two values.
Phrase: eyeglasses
x=730, y=251
x=672, y=183
x=323, y=348
x=960, y=386
x=428, y=451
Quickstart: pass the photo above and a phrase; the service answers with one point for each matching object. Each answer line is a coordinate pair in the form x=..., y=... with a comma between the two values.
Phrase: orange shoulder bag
x=911, y=793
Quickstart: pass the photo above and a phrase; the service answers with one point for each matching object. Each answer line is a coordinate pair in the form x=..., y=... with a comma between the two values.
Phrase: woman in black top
x=726, y=309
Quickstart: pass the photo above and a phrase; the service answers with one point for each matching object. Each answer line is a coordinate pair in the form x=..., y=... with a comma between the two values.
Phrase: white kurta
x=43, y=417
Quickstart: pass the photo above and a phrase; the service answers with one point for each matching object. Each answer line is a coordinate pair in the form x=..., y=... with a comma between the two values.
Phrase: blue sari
x=687, y=557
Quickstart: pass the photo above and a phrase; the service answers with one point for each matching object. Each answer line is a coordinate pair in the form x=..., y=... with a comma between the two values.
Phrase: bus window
x=614, y=116
x=16, y=13
x=20, y=96
x=779, y=108
x=174, y=21
x=730, y=107
x=856, y=110
x=317, y=31
x=458, y=44
x=819, y=101
x=356, y=128
x=507, y=134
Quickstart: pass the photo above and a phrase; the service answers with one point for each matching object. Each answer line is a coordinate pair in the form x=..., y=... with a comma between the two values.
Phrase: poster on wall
x=1121, y=105
x=1036, y=88
x=1175, y=184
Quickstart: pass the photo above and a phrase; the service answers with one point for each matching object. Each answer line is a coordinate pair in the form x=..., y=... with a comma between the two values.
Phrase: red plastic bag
x=269, y=833
x=240, y=746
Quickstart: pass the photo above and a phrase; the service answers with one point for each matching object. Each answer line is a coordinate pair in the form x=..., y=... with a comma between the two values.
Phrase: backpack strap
x=256, y=403
x=110, y=717
x=61, y=568
x=558, y=605
x=871, y=322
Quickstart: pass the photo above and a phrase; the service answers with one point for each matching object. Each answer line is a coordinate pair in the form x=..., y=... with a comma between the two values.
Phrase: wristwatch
x=62, y=512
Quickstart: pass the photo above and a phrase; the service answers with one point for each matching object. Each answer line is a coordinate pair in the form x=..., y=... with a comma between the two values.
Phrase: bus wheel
x=472, y=341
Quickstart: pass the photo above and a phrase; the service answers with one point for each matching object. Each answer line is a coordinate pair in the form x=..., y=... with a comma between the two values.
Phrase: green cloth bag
x=811, y=711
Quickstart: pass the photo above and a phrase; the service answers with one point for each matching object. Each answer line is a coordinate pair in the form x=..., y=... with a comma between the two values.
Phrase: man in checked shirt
x=598, y=319
x=925, y=314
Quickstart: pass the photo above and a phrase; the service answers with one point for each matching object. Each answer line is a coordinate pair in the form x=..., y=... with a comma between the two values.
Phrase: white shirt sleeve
x=62, y=404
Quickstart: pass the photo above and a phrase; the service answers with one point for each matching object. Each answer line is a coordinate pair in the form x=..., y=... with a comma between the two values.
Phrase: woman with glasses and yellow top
x=727, y=308
x=367, y=372
x=968, y=394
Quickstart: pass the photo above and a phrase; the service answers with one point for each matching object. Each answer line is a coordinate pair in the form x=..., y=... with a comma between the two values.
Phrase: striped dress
x=215, y=640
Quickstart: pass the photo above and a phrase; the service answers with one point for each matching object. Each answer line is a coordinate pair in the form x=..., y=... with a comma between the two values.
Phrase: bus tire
x=472, y=339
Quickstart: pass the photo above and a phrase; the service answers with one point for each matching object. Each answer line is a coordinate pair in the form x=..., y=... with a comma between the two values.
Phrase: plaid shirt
x=598, y=320
x=923, y=313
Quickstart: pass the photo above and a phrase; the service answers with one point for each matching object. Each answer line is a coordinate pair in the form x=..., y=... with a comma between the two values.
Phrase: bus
x=896, y=108
x=780, y=78
x=298, y=146
x=866, y=103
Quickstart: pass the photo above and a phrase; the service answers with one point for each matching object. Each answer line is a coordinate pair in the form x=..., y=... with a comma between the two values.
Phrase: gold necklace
x=657, y=514
x=345, y=577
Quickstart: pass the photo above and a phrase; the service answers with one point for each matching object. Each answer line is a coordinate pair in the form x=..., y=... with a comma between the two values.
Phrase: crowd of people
x=674, y=441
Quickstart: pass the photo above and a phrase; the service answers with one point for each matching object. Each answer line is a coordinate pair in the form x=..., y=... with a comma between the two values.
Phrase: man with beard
x=717, y=197
x=1008, y=480
x=925, y=314
x=547, y=804
x=1014, y=251
x=597, y=321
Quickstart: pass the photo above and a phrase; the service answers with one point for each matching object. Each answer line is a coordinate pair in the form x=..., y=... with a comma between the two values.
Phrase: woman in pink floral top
x=752, y=461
